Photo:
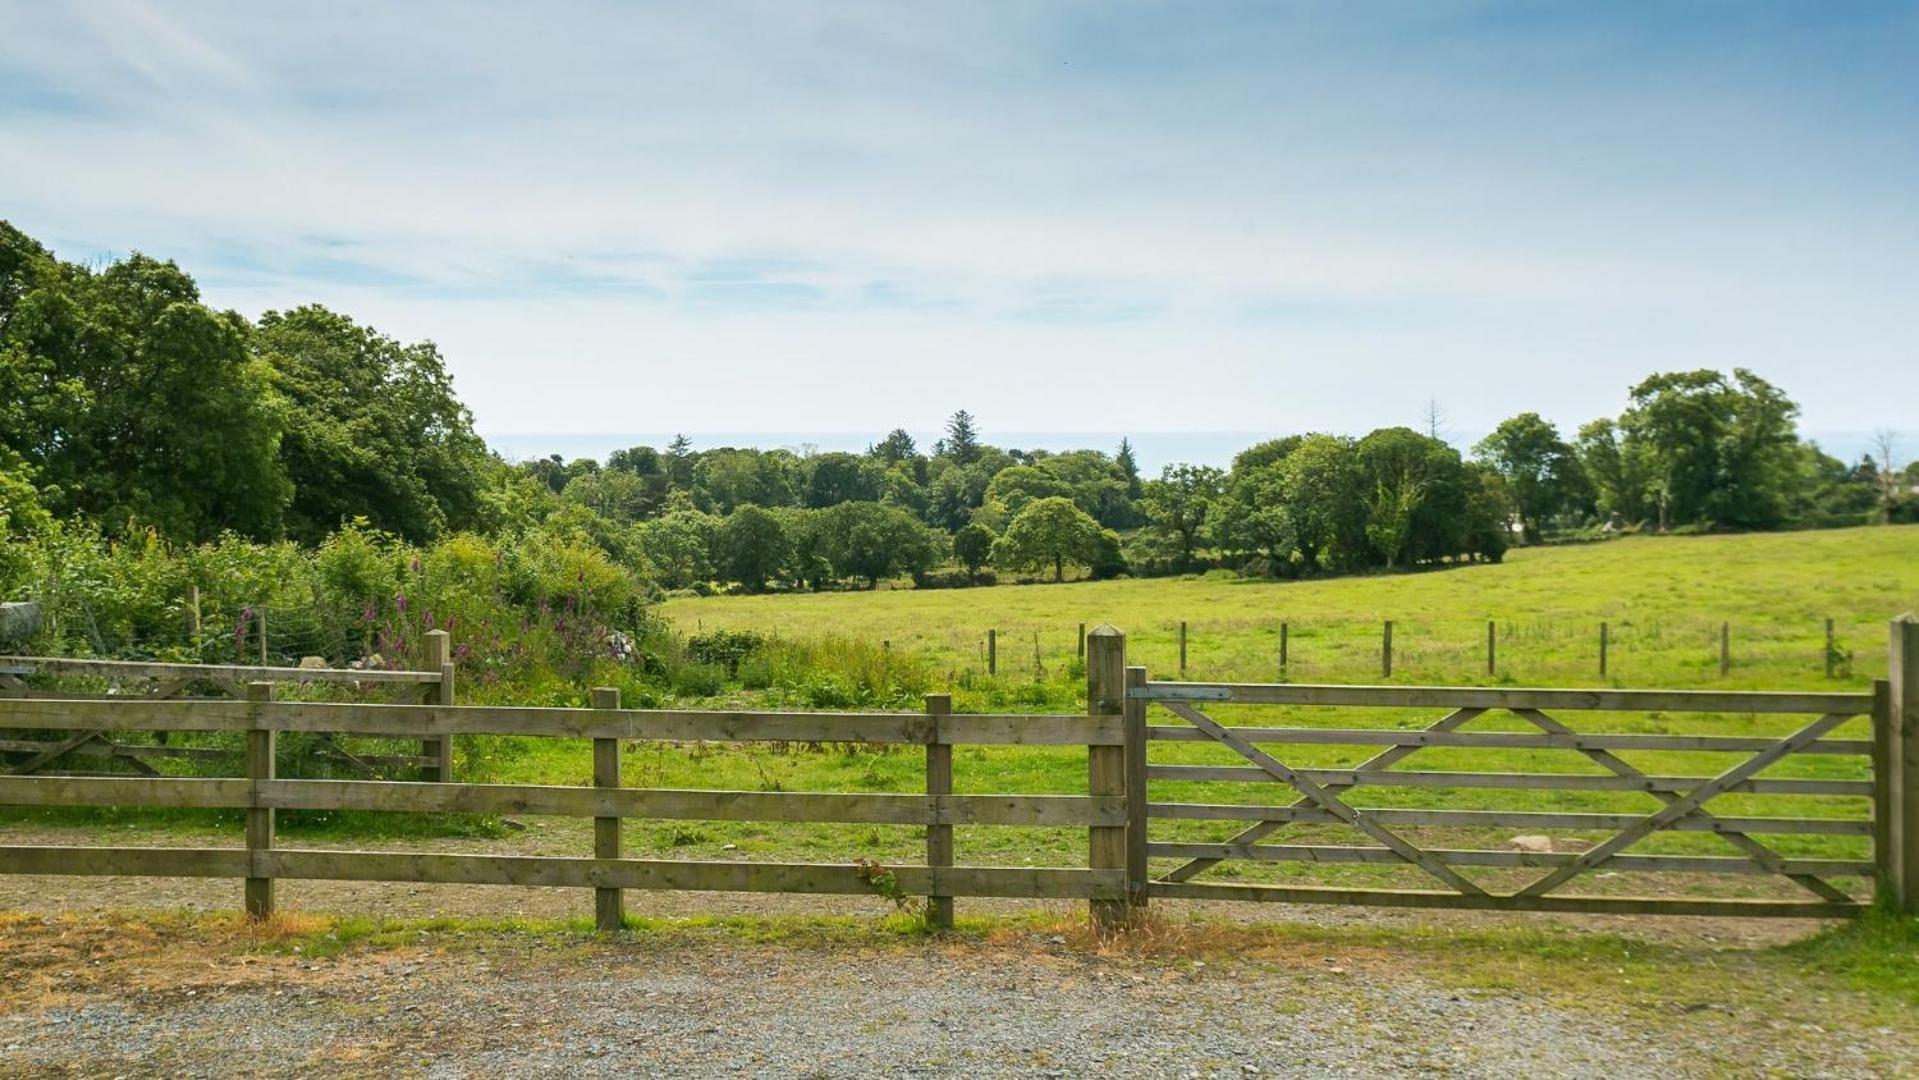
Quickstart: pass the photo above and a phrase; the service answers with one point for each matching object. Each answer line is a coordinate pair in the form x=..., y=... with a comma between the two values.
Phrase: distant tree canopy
x=127, y=405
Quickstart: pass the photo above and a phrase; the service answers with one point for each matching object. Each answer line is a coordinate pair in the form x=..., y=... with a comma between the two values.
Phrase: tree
x=1542, y=472
x=973, y=547
x=1014, y=488
x=1177, y=504
x=1618, y=469
x=898, y=446
x=679, y=547
x=1723, y=452
x=1323, y=487
x=1885, y=443
x=679, y=462
x=873, y=542
x=835, y=478
x=962, y=439
x=1129, y=469
x=751, y=547
x=1049, y=531
x=373, y=429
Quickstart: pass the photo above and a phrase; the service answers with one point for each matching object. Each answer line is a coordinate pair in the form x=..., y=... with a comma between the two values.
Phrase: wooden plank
x=1384, y=759
x=125, y=861
x=609, y=905
x=1136, y=867
x=439, y=749
x=1333, y=853
x=1505, y=740
x=1686, y=804
x=1546, y=781
x=282, y=863
x=692, y=805
x=241, y=673
x=1106, y=766
x=841, y=878
x=260, y=767
x=939, y=784
x=1902, y=685
x=1461, y=697
x=1888, y=831
x=165, y=792
x=1325, y=799
x=359, y=718
x=1508, y=819
x=1582, y=905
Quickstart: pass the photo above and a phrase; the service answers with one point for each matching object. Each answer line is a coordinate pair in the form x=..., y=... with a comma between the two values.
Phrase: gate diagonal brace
x=1326, y=800
x=1392, y=755
x=1683, y=806
x=1754, y=849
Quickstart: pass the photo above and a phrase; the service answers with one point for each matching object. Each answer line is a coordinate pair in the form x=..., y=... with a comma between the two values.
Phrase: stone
x=313, y=663
x=1535, y=845
x=19, y=622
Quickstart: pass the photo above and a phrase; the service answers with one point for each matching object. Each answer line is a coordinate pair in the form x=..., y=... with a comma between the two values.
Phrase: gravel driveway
x=86, y=997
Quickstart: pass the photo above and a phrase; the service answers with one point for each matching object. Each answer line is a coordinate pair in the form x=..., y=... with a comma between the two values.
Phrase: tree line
x=129, y=405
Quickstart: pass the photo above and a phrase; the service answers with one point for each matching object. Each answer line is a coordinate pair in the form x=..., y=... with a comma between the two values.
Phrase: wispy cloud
x=1265, y=216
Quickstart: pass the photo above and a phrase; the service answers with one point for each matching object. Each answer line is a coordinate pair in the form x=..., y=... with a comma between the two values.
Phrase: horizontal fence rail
x=261, y=794
x=1871, y=784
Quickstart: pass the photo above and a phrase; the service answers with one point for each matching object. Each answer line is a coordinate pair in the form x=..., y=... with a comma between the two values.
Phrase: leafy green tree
x=726, y=479
x=1619, y=470
x=1542, y=470
x=21, y=519
x=973, y=547
x=1177, y=504
x=752, y=547
x=808, y=533
x=836, y=478
x=1049, y=532
x=679, y=547
x=373, y=428
x=873, y=542
x=898, y=447
x=1722, y=451
x=1013, y=488
x=1323, y=485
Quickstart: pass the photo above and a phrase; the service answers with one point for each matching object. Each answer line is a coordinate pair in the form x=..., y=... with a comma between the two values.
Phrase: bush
x=699, y=680
x=724, y=647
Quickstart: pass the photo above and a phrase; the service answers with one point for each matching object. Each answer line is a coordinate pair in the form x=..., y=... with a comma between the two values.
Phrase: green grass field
x=1664, y=599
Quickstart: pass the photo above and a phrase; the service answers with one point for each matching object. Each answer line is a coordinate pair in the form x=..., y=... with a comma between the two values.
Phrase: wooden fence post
x=1832, y=650
x=1492, y=647
x=939, y=835
x=1106, y=765
x=260, y=747
x=992, y=652
x=439, y=657
x=609, y=905
x=263, y=635
x=1605, y=635
x=1386, y=651
x=1082, y=641
x=1888, y=832
x=1902, y=678
x=1135, y=791
x=1725, y=648
x=1182, y=646
x=1283, y=627
x=193, y=613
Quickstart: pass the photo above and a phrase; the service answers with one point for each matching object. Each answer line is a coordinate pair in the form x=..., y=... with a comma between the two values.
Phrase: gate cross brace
x=1757, y=851
x=1325, y=799
x=1683, y=806
x=1392, y=755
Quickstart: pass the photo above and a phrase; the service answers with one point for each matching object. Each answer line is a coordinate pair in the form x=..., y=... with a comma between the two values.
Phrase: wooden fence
x=150, y=681
x=1117, y=809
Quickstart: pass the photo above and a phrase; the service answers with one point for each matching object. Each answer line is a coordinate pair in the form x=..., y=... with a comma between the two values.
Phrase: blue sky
x=1064, y=217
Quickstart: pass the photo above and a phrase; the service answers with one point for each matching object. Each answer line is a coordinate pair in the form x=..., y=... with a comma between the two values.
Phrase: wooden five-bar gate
x=1868, y=769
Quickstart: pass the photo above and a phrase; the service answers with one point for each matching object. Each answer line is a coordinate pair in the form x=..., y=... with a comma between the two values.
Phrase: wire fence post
x=1386, y=651
x=1725, y=648
x=1492, y=647
x=1604, y=635
x=992, y=652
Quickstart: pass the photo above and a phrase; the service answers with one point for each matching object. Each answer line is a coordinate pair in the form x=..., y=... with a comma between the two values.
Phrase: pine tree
x=962, y=438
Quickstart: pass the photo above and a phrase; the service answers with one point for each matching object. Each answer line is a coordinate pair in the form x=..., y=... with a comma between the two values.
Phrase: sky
x=1064, y=217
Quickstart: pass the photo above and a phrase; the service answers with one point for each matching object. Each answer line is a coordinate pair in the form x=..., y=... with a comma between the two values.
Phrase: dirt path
x=98, y=997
